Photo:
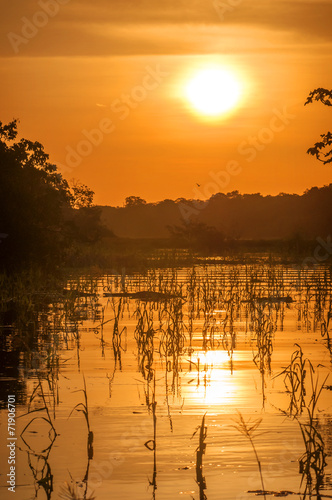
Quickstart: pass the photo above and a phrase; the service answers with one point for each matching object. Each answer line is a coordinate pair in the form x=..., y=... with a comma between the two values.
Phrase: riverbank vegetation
x=50, y=222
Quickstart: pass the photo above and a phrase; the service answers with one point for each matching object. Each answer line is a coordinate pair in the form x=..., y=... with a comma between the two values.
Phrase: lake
x=204, y=382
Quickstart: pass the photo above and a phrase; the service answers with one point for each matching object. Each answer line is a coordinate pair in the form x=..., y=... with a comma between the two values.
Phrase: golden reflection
x=214, y=383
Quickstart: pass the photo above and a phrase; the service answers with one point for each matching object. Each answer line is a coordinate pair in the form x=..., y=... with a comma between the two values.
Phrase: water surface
x=111, y=386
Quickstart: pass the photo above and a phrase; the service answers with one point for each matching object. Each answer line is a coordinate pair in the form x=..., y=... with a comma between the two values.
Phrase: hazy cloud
x=123, y=27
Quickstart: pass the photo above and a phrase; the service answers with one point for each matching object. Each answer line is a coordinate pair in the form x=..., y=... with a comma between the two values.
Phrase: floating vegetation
x=145, y=296
x=282, y=493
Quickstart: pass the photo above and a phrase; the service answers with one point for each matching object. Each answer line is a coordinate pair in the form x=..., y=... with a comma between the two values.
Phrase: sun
x=213, y=91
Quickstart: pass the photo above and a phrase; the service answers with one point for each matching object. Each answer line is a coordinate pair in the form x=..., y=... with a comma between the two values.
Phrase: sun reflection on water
x=214, y=385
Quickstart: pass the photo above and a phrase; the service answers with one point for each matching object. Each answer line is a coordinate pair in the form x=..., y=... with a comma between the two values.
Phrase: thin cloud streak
x=136, y=40
x=102, y=28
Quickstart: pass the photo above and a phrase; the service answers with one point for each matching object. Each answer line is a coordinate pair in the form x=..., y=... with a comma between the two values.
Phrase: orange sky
x=70, y=67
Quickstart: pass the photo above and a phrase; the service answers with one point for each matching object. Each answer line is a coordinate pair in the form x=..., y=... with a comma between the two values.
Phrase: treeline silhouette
x=50, y=221
x=231, y=216
x=42, y=216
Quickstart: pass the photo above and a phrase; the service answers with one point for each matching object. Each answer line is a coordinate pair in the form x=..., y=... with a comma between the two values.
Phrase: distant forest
x=50, y=221
x=231, y=216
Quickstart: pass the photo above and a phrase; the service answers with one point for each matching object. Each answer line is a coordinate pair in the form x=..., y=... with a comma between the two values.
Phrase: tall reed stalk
x=248, y=429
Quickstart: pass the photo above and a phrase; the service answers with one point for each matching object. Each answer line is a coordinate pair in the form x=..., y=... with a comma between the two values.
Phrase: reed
x=151, y=444
x=37, y=393
x=313, y=461
x=42, y=474
x=83, y=407
x=248, y=429
x=144, y=335
x=326, y=325
x=200, y=452
x=294, y=380
x=117, y=338
x=71, y=491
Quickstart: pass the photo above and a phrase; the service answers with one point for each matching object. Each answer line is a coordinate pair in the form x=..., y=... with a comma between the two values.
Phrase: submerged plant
x=151, y=444
x=72, y=491
x=248, y=429
x=325, y=326
x=200, y=452
x=39, y=392
x=294, y=378
x=313, y=461
x=144, y=335
x=117, y=346
x=83, y=407
x=41, y=471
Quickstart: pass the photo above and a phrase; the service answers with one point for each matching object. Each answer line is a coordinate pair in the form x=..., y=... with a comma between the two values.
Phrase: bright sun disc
x=213, y=91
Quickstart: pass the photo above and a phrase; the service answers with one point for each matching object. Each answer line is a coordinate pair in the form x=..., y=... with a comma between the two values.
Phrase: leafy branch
x=324, y=96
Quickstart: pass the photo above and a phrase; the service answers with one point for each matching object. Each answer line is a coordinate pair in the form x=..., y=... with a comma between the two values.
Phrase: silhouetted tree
x=82, y=195
x=324, y=96
x=32, y=193
x=134, y=201
x=83, y=225
x=34, y=201
x=235, y=216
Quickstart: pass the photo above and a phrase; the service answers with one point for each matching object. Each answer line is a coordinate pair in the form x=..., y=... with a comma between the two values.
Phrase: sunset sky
x=102, y=85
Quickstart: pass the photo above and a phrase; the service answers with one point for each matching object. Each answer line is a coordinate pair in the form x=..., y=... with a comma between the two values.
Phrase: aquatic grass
x=172, y=340
x=151, y=444
x=72, y=491
x=263, y=327
x=231, y=305
x=200, y=452
x=42, y=475
x=83, y=493
x=248, y=429
x=313, y=461
x=144, y=335
x=294, y=381
x=325, y=326
x=83, y=407
x=39, y=392
x=169, y=328
x=117, y=345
